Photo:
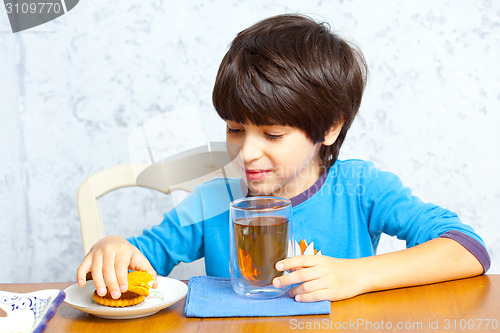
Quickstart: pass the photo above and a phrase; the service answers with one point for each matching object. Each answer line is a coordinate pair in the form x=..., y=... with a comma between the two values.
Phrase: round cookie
x=127, y=298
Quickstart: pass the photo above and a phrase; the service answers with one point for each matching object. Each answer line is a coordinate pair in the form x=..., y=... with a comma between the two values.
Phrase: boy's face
x=275, y=160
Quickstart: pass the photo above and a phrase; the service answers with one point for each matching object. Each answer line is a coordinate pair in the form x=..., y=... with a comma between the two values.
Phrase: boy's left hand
x=321, y=278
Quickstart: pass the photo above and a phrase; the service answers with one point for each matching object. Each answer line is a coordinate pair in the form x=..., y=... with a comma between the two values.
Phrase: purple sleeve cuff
x=472, y=245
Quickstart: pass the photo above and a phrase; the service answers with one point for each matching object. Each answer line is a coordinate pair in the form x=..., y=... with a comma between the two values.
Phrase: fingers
x=121, y=270
x=83, y=269
x=122, y=262
x=312, y=287
x=155, y=283
x=308, y=287
x=307, y=271
x=109, y=267
x=109, y=261
x=299, y=276
x=97, y=275
x=315, y=296
x=297, y=262
x=155, y=277
x=115, y=269
x=115, y=274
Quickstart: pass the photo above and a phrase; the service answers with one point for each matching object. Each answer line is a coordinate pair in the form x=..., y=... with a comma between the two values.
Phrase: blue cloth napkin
x=214, y=297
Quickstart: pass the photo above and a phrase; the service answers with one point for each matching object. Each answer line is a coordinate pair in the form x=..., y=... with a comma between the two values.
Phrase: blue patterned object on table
x=29, y=312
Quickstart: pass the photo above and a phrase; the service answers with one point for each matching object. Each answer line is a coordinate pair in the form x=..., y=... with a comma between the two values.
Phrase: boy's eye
x=269, y=136
x=232, y=131
x=274, y=136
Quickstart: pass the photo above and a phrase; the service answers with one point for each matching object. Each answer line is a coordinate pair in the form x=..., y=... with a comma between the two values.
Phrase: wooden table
x=468, y=305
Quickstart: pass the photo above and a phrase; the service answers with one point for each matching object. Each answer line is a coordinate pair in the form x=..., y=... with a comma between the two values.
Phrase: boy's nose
x=250, y=149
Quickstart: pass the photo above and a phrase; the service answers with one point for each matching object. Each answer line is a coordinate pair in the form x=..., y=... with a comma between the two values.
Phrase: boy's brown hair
x=290, y=70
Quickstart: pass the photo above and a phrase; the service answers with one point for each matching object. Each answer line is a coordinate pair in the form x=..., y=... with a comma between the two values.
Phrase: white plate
x=168, y=292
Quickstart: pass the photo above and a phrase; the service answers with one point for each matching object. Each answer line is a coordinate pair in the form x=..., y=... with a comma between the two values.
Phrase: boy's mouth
x=256, y=174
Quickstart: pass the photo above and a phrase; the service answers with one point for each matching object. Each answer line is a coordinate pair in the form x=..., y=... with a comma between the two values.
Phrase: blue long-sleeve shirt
x=342, y=215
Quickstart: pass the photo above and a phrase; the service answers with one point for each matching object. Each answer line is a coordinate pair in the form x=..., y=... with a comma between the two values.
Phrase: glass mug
x=260, y=230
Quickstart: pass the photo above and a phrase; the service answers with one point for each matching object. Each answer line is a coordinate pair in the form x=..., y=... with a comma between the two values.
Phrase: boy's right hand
x=109, y=261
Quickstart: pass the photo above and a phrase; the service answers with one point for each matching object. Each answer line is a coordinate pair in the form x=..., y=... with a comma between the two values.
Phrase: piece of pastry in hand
x=138, y=288
x=140, y=282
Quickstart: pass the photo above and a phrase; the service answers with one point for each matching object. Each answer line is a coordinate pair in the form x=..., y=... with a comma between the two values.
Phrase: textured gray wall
x=74, y=89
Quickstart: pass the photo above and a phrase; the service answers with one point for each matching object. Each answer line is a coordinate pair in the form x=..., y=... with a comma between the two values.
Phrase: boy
x=289, y=90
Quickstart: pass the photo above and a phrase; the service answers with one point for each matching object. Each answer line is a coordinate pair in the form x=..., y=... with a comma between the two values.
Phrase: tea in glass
x=260, y=230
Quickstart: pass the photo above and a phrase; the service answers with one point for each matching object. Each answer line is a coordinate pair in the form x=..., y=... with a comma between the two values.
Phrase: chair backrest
x=97, y=185
x=182, y=174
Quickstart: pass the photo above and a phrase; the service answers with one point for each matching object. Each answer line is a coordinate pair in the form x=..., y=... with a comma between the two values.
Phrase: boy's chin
x=263, y=189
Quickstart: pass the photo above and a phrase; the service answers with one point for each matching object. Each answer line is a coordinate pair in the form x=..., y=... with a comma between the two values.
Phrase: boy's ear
x=332, y=134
